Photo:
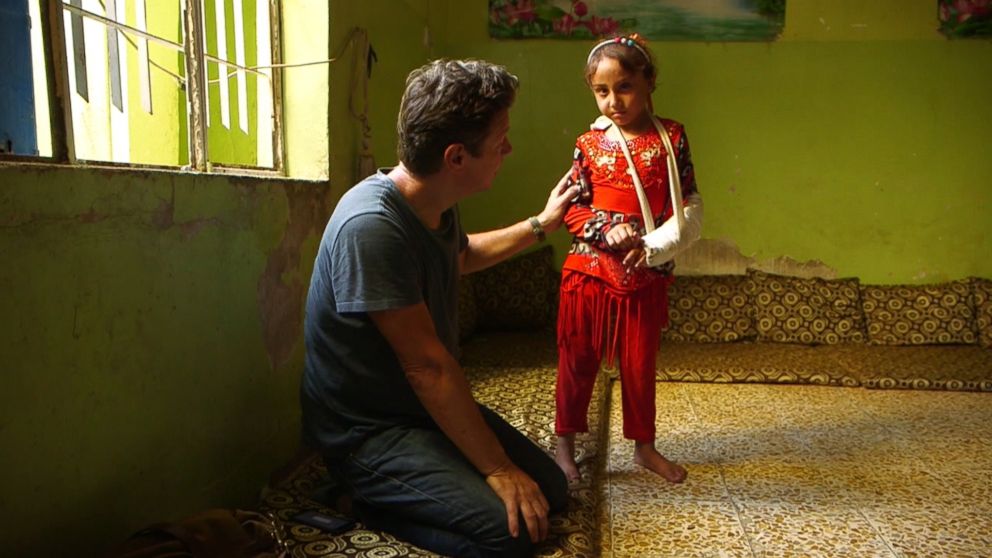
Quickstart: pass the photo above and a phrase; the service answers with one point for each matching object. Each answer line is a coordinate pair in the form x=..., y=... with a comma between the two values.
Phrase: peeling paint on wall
x=724, y=257
x=282, y=288
x=116, y=205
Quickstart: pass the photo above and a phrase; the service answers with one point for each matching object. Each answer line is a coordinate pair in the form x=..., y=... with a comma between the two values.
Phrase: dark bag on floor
x=214, y=533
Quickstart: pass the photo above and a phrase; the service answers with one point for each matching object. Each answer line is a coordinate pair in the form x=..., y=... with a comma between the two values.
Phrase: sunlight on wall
x=41, y=118
x=148, y=125
x=88, y=85
x=159, y=134
x=306, y=89
x=263, y=51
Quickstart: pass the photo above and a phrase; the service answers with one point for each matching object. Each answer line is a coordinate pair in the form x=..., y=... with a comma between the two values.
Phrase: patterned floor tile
x=964, y=456
x=806, y=471
x=774, y=483
x=810, y=531
x=929, y=530
x=973, y=487
x=684, y=530
x=730, y=445
x=706, y=485
x=853, y=443
x=710, y=400
x=913, y=406
x=897, y=486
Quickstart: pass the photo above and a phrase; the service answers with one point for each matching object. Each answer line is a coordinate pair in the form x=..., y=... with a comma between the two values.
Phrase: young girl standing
x=613, y=304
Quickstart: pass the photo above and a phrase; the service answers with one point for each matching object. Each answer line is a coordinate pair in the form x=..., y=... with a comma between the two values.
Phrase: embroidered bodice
x=607, y=197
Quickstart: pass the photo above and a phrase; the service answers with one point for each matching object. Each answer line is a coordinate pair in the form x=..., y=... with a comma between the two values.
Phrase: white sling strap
x=674, y=181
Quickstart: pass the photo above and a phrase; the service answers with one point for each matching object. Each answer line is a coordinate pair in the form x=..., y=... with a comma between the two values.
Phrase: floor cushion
x=939, y=313
x=752, y=362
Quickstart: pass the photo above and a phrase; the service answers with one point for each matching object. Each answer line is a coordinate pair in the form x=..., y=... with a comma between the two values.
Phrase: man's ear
x=454, y=155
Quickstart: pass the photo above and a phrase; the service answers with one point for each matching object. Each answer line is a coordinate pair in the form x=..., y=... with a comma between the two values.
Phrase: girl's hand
x=623, y=237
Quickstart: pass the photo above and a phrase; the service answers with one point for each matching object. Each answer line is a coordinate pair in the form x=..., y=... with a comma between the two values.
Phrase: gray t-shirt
x=375, y=255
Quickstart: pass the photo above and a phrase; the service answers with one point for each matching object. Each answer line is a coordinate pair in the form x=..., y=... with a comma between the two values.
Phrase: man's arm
x=441, y=386
x=489, y=248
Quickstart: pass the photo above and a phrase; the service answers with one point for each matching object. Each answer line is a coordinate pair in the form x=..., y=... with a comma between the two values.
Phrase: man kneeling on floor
x=384, y=398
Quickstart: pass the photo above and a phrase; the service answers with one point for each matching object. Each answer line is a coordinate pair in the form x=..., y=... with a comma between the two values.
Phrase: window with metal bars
x=176, y=83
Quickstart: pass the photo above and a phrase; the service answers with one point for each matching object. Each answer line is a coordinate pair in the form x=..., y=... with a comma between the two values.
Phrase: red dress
x=605, y=311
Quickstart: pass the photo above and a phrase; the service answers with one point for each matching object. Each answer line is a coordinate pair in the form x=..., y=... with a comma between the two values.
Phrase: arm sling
x=675, y=234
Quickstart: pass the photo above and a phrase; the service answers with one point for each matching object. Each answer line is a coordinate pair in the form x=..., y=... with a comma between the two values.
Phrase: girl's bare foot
x=648, y=457
x=565, y=457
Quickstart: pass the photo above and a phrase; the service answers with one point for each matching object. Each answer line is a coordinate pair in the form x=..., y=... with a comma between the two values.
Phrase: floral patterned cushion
x=808, y=311
x=517, y=294
x=947, y=367
x=753, y=362
x=919, y=314
x=293, y=495
x=709, y=309
x=981, y=291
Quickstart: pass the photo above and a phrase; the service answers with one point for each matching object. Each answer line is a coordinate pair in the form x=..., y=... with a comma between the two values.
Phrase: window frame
x=52, y=13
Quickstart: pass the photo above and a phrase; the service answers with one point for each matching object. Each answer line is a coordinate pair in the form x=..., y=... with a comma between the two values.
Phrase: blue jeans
x=415, y=484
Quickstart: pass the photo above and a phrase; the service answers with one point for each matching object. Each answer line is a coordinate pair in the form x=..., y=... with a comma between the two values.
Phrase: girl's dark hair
x=630, y=58
x=448, y=102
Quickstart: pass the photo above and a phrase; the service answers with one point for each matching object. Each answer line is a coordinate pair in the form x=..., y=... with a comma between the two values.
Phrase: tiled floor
x=786, y=470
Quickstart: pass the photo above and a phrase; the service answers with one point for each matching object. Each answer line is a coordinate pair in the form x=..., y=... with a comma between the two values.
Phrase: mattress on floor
x=949, y=367
x=754, y=362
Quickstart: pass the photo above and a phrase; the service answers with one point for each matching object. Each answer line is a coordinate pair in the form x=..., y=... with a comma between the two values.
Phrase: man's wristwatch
x=536, y=227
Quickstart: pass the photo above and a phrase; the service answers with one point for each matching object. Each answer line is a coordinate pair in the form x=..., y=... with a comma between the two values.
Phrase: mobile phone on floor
x=327, y=523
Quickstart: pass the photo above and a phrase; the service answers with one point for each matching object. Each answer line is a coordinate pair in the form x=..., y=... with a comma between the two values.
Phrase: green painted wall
x=151, y=346
x=230, y=144
x=398, y=34
x=323, y=137
x=859, y=139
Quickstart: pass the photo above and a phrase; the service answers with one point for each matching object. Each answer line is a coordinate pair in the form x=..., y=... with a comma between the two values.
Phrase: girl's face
x=621, y=95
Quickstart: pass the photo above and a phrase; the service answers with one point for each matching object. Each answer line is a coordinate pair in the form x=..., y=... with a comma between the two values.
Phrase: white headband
x=618, y=41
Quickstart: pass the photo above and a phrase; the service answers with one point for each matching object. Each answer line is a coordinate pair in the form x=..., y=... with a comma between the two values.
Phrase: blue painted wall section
x=17, y=127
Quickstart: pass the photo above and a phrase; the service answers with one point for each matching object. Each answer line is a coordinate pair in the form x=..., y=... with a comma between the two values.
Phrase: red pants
x=597, y=321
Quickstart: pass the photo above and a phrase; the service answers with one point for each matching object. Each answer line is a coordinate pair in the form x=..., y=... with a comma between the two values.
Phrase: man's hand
x=521, y=495
x=559, y=199
x=623, y=237
x=636, y=258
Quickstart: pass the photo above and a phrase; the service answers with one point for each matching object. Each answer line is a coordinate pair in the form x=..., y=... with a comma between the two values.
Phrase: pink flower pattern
x=961, y=18
x=564, y=25
x=521, y=14
x=519, y=10
x=602, y=25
